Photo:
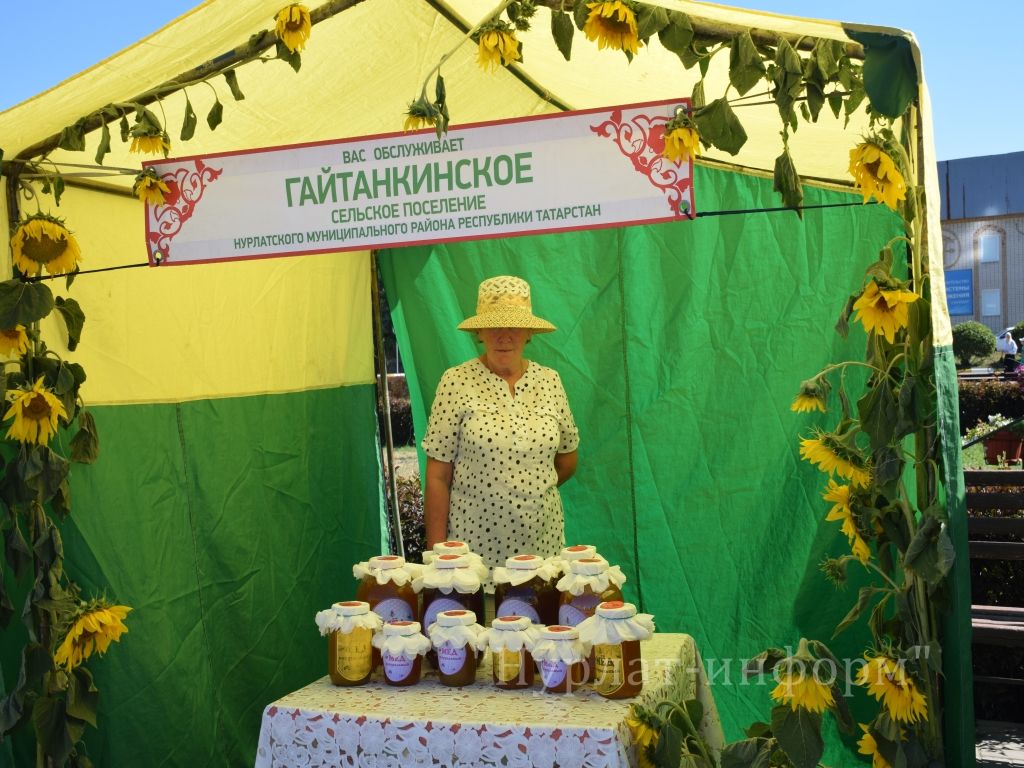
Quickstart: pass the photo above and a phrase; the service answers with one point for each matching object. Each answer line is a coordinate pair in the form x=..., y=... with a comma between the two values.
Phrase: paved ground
x=1000, y=744
x=406, y=462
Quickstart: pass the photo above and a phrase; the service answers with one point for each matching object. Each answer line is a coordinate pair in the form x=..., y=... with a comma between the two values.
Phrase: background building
x=983, y=238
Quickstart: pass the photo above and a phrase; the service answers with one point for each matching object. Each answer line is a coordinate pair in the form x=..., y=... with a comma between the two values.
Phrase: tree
x=972, y=342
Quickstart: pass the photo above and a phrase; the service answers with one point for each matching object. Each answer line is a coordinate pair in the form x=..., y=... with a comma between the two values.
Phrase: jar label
x=394, y=609
x=451, y=660
x=506, y=665
x=609, y=674
x=354, y=653
x=580, y=608
x=396, y=668
x=516, y=606
x=437, y=605
x=552, y=673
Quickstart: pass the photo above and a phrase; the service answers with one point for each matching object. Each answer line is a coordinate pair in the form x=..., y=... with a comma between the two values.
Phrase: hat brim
x=506, y=317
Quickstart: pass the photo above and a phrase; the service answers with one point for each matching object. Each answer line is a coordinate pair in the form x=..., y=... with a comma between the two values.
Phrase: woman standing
x=500, y=438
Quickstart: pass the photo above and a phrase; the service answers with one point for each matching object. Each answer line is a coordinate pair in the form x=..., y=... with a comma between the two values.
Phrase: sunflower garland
x=293, y=26
x=43, y=242
x=94, y=629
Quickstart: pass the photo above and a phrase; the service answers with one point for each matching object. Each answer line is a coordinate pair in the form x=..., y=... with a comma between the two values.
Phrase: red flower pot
x=1010, y=443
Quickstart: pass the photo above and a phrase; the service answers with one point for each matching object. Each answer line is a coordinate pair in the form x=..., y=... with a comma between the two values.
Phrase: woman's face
x=504, y=344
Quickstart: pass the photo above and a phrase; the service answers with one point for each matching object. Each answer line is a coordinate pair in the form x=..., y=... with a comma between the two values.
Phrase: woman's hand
x=565, y=465
x=436, y=500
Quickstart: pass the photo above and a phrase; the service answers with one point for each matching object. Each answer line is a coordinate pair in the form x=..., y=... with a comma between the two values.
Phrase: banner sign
x=554, y=173
x=960, y=291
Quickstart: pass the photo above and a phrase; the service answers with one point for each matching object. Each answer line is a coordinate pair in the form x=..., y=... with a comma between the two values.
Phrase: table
x=432, y=725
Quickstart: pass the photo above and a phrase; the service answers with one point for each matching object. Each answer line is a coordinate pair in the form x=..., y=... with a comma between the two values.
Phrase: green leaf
x=216, y=115
x=104, y=146
x=85, y=445
x=758, y=730
x=74, y=319
x=82, y=696
x=906, y=408
x=6, y=606
x=745, y=66
x=677, y=35
x=746, y=753
x=835, y=103
x=815, y=100
x=697, y=96
x=787, y=182
x=890, y=74
x=293, y=58
x=826, y=55
x=35, y=663
x=70, y=278
x=650, y=20
x=188, y=125
x=719, y=126
x=72, y=137
x=878, y=413
x=930, y=552
x=49, y=717
x=440, y=94
x=669, y=749
x=695, y=711
x=843, y=323
x=124, y=127
x=863, y=601
x=43, y=471
x=562, y=32
x=232, y=79
x=887, y=468
x=799, y=735
x=788, y=80
x=23, y=303
x=764, y=662
x=19, y=557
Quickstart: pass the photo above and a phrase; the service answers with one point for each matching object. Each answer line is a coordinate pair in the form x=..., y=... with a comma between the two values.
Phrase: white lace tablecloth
x=324, y=726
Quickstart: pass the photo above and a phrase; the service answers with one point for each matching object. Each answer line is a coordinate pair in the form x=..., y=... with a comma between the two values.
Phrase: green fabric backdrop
x=226, y=525
x=681, y=347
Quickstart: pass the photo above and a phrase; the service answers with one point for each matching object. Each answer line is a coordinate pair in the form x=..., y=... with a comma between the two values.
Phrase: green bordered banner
x=553, y=173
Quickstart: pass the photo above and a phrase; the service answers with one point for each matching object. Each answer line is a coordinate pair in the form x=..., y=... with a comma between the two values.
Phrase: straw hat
x=504, y=302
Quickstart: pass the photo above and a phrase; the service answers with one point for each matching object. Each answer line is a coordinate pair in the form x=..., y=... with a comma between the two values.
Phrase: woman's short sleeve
x=569, y=439
x=441, y=440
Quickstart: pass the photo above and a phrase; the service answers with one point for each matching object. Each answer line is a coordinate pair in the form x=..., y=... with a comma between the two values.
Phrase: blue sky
x=970, y=53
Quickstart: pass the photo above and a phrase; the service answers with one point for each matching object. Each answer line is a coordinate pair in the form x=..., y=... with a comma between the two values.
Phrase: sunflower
x=868, y=746
x=830, y=454
x=151, y=144
x=35, y=413
x=875, y=174
x=13, y=341
x=498, y=46
x=612, y=23
x=682, y=142
x=799, y=689
x=150, y=188
x=645, y=739
x=811, y=397
x=293, y=26
x=93, y=629
x=840, y=495
x=884, y=311
x=43, y=241
x=887, y=680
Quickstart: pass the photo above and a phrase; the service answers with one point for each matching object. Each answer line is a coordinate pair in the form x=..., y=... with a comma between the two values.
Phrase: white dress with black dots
x=504, y=493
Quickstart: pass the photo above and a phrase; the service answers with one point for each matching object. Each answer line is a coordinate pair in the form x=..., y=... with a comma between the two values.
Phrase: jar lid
x=589, y=566
x=456, y=618
x=386, y=562
x=524, y=562
x=615, y=609
x=401, y=628
x=446, y=562
x=512, y=623
x=452, y=547
x=577, y=551
x=351, y=608
x=559, y=632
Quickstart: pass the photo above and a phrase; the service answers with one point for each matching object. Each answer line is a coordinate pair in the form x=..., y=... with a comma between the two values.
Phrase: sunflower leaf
x=747, y=753
x=72, y=137
x=216, y=115
x=85, y=445
x=930, y=552
x=650, y=20
x=745, y=66
x=23, y=303
x=294, y=58
x=70, y=278
x=863, y=601
x=787, y=182
x=74, y=319
x=668, y=750
x=83, y=695
x=697, y=95
x=720, y=127
x=799, y=735
x=124, y=128
x=50, y=720
x=677, y=34
x=562, y=32
x=232, y=79
x=104, y=146
x=58, y=188
x=19, y=557
x=580, y=12
x=6, y=606
x=188, y=125
x=878, y=411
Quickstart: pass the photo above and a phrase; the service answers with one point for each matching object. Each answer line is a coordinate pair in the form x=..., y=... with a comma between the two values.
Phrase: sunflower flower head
x=843, y=512
x=421, y=114
x=293, y=25
x=42, y=241
x=151, y=144
x=812, y=396
x=834, y=569
x=682, y=140
x=36, y=412
x=612, y=24
x=13, y=341
x=497, y=45
x=95, y=627
x=876, y=175
x=800, y=689
x=887, y=679
x=868, y=746
x=645, y=737
x=150, y=188
x=831, y=452
x=884, y=311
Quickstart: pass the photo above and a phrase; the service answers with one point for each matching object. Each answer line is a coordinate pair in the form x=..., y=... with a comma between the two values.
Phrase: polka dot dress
x=504, y=495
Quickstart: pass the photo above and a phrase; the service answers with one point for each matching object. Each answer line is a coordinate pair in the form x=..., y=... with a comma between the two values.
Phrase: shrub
x=1018, y=333
x=410, y=511
x=972, y=341
x=981, y=399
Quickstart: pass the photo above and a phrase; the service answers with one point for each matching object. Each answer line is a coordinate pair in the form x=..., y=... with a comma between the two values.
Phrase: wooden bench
x=991, y=624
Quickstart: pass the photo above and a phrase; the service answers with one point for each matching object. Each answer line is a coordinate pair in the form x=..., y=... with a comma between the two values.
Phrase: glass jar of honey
x=402, y=646
x=454, y=636
x=457, y=548
x=526, y=587
x=349, y=628
x=510, y=640
x=590, y=581
x=386, y=583
x=574, y=552
x=449, y=583
x=560, y=657
x=614, y=632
